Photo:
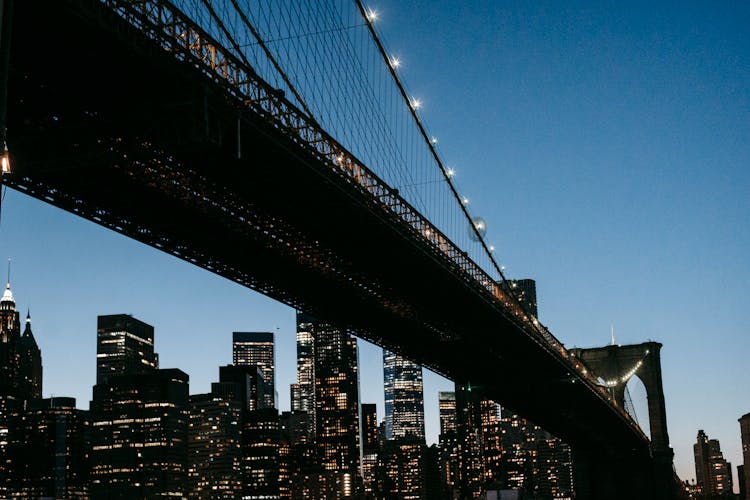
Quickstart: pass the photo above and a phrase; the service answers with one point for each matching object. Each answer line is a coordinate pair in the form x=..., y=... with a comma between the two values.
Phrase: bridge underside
x=107, y=125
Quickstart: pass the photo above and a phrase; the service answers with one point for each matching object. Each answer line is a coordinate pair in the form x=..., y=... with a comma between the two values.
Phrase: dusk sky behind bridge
x=606, y=144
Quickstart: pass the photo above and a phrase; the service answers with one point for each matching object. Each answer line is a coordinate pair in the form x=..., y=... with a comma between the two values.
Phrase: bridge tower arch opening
x=617, y=364
x=636, y=403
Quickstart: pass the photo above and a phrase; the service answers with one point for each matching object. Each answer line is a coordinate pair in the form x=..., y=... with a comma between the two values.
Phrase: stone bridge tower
x=616, y=365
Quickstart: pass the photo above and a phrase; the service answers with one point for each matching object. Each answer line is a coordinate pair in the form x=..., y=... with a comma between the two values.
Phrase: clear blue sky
x=606, y=144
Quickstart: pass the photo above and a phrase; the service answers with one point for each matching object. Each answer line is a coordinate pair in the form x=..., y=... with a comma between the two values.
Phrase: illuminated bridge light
x=372, y=15
x=395, y=62
x=415, y=103
x=450, y=172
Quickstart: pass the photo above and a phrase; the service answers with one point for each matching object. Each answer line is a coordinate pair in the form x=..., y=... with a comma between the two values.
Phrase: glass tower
x=404, y=401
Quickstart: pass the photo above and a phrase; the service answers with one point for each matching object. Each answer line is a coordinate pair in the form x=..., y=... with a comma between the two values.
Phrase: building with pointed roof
x=20, y=357
x=30, y=363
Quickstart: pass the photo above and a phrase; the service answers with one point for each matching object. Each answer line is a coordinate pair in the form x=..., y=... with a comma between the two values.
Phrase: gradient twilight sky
x=607, y=144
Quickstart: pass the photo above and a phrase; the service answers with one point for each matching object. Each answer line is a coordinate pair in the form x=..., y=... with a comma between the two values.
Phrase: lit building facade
x=139, y=435
x=336, y=409
x=713, y=474
x=404, y=401
x=20, y=357
x=296, y=454
x=402, y=462
x=124, y=345
x=257, y=348
x=448, y=460
x=50, y=451
x=260, y=462
x=303, y=392
x=214, y=447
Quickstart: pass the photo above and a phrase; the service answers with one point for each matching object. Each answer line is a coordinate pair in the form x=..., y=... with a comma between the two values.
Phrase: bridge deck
x=106, y=124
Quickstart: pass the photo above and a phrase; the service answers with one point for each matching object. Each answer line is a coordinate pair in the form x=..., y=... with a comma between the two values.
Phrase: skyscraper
x=10, y=335
x=712, y=473
x=257, y=348
x=124, y=345
x=139, y=415
x=261, y=438
x=447, y=407
x=214, y=447
x=336, y=406
x=139, y=435
x=303, y=392
x=370, y=446
x=29, y=364
x=448, y=456
x=745, y=435
x=50, y=450
x=404, y=402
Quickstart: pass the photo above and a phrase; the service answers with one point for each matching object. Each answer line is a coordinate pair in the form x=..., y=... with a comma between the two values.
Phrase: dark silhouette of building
x=369, y=428
x=241, y=382
x=712, y=473
x=742, y=482
x=124, y=345
x=49, y=454
x=744, y=478
x=257, y=349
x=20, y=379
x=404, y=401
x=29, y=364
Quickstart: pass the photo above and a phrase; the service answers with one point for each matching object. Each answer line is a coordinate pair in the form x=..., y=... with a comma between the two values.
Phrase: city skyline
x=62, y=263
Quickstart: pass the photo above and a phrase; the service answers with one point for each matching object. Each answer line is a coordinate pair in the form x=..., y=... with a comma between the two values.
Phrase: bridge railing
x=176, y=33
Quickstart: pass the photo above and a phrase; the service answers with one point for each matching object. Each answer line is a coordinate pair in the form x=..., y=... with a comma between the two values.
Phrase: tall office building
x=744, y=479
x=124, y=345
x=257, y=348
x=303, y=392
x=470, y=441
x=214, y=446
x=20, y=357
x=10, y=334
x=402, y=461
x=260, y=461
x=296, y=454
x=712, y=473
x=29, y=364
x=370, y=446
x=49, y=452
x=448, y=454
x=404, y=401
x=139, y=435
x=447, y=408
x=336, y=407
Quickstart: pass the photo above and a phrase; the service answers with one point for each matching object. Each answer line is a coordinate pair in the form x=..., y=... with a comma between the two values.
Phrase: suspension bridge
x=274, y=143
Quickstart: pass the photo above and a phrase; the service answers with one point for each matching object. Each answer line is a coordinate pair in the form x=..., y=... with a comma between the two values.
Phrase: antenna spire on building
x=613, y=334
